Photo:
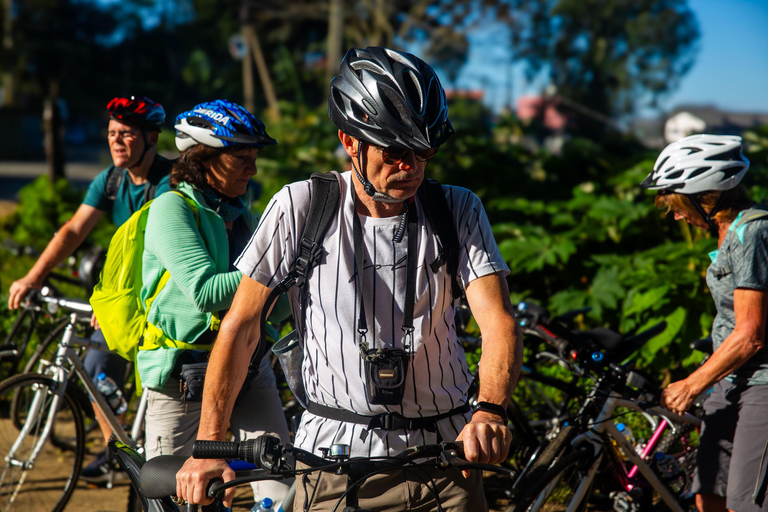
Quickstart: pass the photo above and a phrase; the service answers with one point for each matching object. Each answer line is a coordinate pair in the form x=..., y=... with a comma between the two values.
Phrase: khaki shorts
x=395, y=491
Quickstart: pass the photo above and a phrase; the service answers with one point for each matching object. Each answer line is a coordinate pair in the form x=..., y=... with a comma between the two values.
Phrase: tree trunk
x=249, y=92
x=249, y=31
x=335, y=41
x=53, y=129
x=9, y=72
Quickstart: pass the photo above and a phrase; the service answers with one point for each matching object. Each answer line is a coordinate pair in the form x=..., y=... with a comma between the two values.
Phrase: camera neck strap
x=411, y=220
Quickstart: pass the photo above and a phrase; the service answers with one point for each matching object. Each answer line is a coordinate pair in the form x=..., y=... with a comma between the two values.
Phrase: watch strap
x=492, y=408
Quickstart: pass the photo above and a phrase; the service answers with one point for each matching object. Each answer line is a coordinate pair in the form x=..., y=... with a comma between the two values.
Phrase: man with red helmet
x=137, y=174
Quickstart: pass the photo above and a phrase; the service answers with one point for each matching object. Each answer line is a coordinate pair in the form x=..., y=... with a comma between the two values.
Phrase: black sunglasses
x=392, y=155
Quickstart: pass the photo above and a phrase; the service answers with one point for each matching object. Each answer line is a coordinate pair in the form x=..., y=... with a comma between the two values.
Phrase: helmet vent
x=358, y=114
x=199, y=122
x=698, y=171
x=674, y=175
x=413, y=91
x=691, y=150
x=731, y=172
x=661, y=164
x=393, y=105
x=371, y=108
x=734, y=154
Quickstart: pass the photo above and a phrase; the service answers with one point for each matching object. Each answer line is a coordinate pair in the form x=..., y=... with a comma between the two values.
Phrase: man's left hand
x=486, y=439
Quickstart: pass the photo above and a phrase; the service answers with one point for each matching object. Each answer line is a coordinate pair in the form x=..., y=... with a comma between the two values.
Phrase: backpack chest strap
x=154, y=337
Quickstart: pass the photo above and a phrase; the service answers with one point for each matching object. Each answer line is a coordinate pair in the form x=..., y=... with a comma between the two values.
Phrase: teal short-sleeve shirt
x=740, y=262
x=129, y=197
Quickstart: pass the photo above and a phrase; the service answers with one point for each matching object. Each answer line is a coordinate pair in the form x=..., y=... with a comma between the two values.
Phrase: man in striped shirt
x=375, y=289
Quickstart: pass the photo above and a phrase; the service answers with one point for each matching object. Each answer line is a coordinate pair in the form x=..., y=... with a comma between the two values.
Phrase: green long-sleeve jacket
x=200, y=282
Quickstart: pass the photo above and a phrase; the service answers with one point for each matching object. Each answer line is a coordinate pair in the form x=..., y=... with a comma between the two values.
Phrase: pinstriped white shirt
x=438, y=377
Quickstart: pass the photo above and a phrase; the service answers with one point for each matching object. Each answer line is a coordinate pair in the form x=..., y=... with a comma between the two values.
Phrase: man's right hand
x=193, y=479
x=19, y=290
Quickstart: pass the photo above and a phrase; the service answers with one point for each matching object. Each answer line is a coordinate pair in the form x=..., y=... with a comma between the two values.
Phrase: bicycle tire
x=44, y=486
x=685, y=451
x=553, y=491
x=18, y=337
x=45, y=349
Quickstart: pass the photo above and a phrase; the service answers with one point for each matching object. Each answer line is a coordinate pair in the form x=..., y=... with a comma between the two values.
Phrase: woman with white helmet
x=192, y=239
x=697, y=179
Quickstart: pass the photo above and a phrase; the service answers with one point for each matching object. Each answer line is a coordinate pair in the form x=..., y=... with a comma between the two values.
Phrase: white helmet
x=699, y=163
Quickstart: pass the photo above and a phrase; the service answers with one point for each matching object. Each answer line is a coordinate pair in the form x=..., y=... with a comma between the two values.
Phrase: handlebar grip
x=215, y=450
x=459, y=446
x=213, y=487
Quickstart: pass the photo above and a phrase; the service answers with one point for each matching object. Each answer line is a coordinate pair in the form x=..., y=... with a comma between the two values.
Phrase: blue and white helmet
x=220, y=124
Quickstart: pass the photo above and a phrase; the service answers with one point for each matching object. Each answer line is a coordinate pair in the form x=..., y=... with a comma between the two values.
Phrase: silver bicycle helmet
x=699, y=163
x=390, y=99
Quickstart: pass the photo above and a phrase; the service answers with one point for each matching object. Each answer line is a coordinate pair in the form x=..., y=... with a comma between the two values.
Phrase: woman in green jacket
x=192, y=239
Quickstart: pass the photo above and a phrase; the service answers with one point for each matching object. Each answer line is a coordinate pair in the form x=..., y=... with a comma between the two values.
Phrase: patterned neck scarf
x=228, y=208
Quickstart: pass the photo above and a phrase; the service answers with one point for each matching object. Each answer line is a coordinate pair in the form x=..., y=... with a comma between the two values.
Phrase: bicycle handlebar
x=157, y=476
x=76, y=305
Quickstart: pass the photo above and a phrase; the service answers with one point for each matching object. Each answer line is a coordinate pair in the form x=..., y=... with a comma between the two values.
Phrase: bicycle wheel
x=47, y=482
x=46, y=350
x=555, y=490
x=683, y=445
x=18, y=338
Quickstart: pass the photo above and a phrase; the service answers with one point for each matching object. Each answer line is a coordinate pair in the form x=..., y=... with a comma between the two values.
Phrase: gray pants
x=171, y=424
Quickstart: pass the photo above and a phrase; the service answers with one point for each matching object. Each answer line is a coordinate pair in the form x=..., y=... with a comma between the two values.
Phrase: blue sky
x=730, y=72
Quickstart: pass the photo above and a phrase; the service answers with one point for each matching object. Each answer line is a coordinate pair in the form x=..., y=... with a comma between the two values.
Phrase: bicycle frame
x=603, y=425
x=65, y=362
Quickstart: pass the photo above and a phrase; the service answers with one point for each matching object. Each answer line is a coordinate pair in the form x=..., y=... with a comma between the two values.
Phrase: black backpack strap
x=114, y=180
x=441, y=218
x=326, y=193
x=161, y=168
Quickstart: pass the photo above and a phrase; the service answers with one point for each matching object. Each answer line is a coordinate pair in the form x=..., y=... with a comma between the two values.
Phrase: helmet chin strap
x=147, y=145
x=367, y=185
x=708, y=217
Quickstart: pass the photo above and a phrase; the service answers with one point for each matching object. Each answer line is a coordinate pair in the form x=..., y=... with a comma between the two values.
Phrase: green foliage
x=607, y=247
x=43, y=207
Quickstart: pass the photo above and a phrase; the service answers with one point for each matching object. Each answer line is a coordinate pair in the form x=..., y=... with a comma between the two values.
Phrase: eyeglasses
x=392, y=156
x=127, y=135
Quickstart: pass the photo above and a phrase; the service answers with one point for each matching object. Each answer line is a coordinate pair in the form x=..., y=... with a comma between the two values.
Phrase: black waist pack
x=192, y=381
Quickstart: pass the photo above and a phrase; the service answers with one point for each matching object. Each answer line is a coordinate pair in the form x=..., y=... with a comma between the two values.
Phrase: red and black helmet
x=140, y=112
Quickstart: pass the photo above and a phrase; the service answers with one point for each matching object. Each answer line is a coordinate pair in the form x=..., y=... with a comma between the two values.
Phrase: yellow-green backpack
x=116, y=298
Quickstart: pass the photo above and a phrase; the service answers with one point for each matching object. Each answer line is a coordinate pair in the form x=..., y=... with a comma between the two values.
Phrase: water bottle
x=112, y=393
x=264, y=506
x=669, y=471
x=628, y=435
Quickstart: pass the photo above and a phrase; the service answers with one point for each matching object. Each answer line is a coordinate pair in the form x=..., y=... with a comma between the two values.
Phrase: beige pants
x=396, y=491
x=171, y=424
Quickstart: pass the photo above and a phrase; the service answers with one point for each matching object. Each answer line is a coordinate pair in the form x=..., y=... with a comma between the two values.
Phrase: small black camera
x=385, y=372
